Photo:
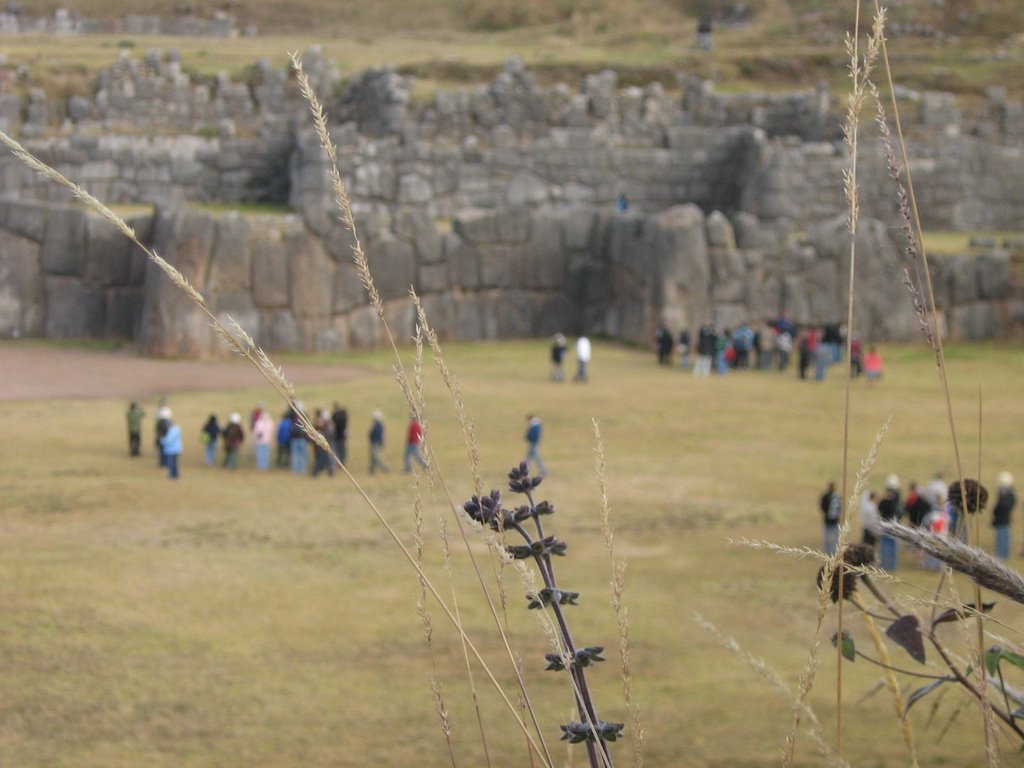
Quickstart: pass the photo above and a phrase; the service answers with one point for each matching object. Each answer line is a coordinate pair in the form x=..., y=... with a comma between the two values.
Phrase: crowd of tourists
x=223, y=442
x=771, y=345
x=934, y=506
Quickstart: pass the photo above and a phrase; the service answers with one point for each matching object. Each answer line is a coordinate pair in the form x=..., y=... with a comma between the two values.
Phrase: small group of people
x=764, y=346
x=559, y=347
x=926, y=506
x=287, y=433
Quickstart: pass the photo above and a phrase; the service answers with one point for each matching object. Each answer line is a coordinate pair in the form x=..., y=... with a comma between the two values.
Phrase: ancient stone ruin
x=499, y=205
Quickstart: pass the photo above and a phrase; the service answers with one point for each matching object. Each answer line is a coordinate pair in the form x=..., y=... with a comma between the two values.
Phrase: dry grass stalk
x=979, y=566
x=860, y=74
x=890, y=678
x=618, y=585
x=447, y=550
x=765, y=671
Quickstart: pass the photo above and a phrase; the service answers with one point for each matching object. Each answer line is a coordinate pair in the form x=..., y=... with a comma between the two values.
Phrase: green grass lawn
x=239, y=619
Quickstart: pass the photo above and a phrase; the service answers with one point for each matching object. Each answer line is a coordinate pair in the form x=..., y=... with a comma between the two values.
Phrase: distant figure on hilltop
x=704, y=28
x=134, y=417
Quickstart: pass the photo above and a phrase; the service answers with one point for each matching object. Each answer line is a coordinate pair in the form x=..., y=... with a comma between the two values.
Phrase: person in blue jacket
x=533, y=435
x=170, y=444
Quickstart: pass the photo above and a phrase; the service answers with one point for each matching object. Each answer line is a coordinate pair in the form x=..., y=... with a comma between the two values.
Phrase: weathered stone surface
x=26, y=219
x=544, y=263
x=349, y=291
x=74, y=311
x=417, y=226
x=270, y=273
x=579, y=227
x=463, y=262
x=172, y=325
x=231, y=267
x=22, y=291
x=64, y=242
x=107, y=254
x=432, y=278
x=477, y=225
x=393, y=266
x=124, y=313
x=974, y=321
x=280, y=331
x=526, y=189
x=365, y=329
x=963, y=279
x=310, y=276
x=686, y=267
x=720, y=234
x=994, y=276
x=238, y=306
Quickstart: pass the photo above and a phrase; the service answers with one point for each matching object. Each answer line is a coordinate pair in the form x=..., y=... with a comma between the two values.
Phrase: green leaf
x=906, y=633
x=923, y=691
x=848, y=649
x=995, y=654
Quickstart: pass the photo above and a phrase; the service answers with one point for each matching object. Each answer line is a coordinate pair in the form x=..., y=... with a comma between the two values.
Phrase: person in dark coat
x=339, y=417
x=1002, y=513
x=376, y=437
x=232, y=437
x=889, y=509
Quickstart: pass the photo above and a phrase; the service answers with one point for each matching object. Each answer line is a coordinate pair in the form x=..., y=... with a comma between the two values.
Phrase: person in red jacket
x=413, y=439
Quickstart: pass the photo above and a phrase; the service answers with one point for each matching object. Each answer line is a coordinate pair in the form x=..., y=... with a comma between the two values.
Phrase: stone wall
x=497, y=273
x=496, y=203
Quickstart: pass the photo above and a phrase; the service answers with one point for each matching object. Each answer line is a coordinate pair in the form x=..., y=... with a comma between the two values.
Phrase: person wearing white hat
x=1002, y=513
x=889, y=509
x=232, y=438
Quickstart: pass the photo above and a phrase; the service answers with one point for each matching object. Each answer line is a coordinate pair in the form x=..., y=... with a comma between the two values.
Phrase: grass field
x=238, y=619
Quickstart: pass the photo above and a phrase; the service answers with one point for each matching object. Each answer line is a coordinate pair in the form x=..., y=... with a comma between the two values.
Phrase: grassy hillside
x=781, y=44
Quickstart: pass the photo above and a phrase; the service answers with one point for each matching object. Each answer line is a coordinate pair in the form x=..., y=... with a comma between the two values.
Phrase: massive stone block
x=74, y=311
x=172, y=324
x=107, y=254
x=27, y=219
x=231, y=267
x=685, y=267
x=393, y=266
x=311, y=276
x=270, y=273
x=64, y=242
x=124, y=313
x=22, y=291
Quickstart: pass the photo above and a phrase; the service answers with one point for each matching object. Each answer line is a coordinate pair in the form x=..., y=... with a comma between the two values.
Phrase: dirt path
x=37, y=373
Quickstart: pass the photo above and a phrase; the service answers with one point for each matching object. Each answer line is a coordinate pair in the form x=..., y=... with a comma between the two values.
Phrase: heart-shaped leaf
x=906, y=633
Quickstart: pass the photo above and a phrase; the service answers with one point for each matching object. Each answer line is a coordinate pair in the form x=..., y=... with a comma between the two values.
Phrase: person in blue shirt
x=533, y=435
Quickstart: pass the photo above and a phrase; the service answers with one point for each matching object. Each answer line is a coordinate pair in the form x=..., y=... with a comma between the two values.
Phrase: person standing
x=284, y=439
x=684, y=349
x=170, y=444
x=873, y=364
x=208, y=435
x=262, y=434
x=413, y=439
x=582, y=358
x=297, y=443
x=339, y=417
x=134, y=417
x=663, y=343
x=706, y=339
x=233, y=438
x=376, y=437
x=321, y=456
x=889, y=509
x=534, y=431
x=558, y=347
x=869, y=518
x=1002, y=513
x=163, y=417
x=831, y=510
